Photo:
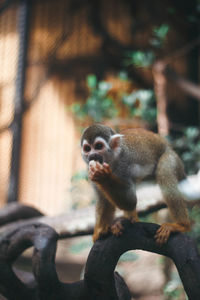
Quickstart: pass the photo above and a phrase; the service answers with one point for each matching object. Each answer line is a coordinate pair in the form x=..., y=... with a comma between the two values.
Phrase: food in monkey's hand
x=92, y=163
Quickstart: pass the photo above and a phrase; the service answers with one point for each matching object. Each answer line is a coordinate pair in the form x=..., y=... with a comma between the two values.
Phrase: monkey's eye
x=98, y=146
x=86, y=148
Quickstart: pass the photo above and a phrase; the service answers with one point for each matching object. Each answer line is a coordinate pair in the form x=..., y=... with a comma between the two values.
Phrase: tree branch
x=100, y=281
x=187, y=86
x=190, y=88
x=180, y=248
x=15, y=211
x=45, y=284
x=81, y=221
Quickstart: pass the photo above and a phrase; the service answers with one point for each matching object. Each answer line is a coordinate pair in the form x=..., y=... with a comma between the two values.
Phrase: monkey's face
x=100, y=143
x=99, y=151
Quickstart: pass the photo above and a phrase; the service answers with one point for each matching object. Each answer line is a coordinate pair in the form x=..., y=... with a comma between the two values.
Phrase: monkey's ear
x=115, y=141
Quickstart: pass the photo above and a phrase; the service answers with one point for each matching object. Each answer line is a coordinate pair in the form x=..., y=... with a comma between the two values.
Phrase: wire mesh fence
x=62, y=48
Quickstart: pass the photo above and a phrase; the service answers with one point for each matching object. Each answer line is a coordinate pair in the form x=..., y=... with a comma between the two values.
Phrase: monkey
x=117, y=161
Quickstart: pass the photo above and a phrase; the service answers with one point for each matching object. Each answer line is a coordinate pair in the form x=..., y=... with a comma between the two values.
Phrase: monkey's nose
x=96, y=157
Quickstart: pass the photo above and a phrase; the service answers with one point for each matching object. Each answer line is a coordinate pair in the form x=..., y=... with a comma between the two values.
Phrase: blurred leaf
x=173, y=289
x=123, y=75
x=161, y=31
x=141, y=103
x=91, y=81
x=140, y=58
x=171, y=10
x=76, y=109
x=142, y=95
x=159, y=35
x=104, y=86
x=187, y=145
x=98, y=105
x=186, y=156
x=192, y=132
x=80, y=176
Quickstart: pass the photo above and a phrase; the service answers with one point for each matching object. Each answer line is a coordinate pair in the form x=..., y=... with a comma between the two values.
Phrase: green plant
x=159, y=35
x=142, y=59
x=187, y=145
x=174, y=289
x=99, y=105
x=141, y=103
x=195, y=217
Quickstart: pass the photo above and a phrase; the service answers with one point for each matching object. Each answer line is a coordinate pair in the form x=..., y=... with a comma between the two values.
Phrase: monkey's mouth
x=96, y=157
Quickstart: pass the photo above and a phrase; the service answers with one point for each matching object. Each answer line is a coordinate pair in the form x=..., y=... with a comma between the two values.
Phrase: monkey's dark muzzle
x=96, y=157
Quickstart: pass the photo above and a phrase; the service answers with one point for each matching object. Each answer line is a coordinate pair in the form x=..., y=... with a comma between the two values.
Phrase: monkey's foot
x=98, y=172
x=117, y=227
x=165, y=229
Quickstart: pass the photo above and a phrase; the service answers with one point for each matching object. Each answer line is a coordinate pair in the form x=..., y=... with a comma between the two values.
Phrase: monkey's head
x=100, y=143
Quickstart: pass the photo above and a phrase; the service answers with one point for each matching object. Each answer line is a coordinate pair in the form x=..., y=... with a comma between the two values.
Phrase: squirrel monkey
x=117, y=161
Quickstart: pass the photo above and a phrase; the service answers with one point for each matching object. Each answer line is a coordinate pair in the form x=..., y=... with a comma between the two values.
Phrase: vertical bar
x=16, y=128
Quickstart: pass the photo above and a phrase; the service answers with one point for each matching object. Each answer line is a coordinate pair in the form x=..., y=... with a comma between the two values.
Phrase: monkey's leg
x=104, y=217
x=169, y=173
x=117, y=228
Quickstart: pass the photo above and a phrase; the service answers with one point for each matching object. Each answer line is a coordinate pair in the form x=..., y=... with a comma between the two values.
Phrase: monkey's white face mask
x=101, y=150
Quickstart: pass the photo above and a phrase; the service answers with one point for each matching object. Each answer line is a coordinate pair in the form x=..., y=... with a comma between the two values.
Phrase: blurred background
x=67, y=63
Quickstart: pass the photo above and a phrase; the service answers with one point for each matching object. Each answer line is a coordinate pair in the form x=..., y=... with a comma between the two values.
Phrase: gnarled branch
x=100, y=281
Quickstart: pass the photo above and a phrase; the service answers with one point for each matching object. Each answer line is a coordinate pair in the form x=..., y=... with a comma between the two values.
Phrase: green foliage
x=141, y=103
x=83, y=174
x=173, y=289
x=171, y=10
x=188, y=147
x=145, y=59
x=91, y=81
x=123, y=75
x=159, y=35
x=142, y=59
x=195, y=217
x=99, y=105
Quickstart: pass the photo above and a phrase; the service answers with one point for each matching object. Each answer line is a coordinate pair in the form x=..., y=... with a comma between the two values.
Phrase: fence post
x=16, y=128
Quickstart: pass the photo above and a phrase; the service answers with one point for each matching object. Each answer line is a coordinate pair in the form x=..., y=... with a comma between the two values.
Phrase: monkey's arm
x=119, y=192
x=112, y=192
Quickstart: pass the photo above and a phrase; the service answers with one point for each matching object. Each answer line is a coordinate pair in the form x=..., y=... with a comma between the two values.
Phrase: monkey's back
x=144, y=145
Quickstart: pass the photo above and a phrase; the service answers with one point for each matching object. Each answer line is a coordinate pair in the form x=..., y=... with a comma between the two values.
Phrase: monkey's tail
x=169, y=173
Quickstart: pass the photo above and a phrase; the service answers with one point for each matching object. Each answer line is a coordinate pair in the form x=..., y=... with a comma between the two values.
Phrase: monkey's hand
x=98, y=172
x=165, y=229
